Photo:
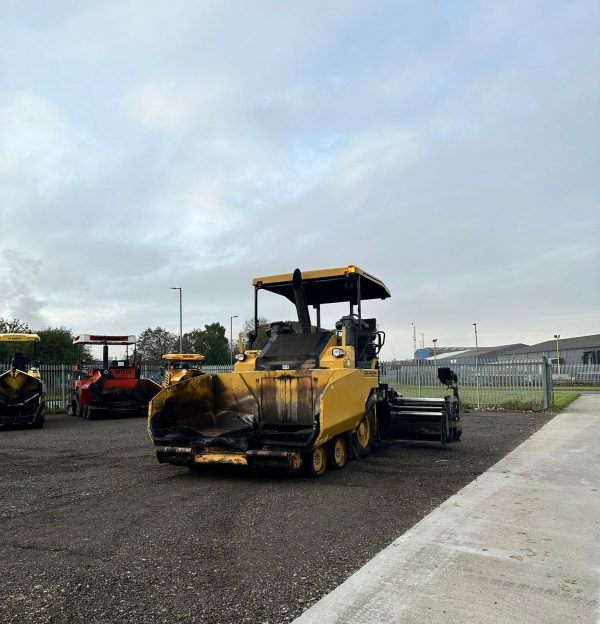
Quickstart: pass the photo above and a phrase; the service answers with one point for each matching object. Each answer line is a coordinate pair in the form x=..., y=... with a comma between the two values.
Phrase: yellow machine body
x=181, y=366
x=306, y=388
x=310, y=398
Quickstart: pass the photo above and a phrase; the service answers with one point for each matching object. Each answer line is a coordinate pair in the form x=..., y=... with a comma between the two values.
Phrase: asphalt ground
x=93, y=529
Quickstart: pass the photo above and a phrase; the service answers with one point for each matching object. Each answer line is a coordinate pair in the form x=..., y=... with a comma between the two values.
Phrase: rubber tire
x=334, y=460
x=310, y=466
x=364, y=447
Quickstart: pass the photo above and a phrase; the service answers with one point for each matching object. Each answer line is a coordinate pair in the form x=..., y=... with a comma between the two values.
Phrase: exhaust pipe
x=301, y=304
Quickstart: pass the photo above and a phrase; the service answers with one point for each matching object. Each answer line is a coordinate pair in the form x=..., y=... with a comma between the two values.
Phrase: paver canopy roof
x=103, y=340
x=19, y=338
x=327, y=285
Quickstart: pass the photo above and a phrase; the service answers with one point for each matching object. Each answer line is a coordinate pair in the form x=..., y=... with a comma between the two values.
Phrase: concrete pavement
x=520, y=544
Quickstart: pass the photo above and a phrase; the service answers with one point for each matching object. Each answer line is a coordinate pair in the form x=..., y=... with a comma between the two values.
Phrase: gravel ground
x=94, y=530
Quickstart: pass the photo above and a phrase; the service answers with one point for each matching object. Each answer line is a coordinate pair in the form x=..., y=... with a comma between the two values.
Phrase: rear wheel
x=337, y=453
x=364, y=436
x=314, y=463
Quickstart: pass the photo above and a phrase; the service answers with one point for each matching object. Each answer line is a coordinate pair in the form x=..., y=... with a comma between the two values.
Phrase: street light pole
x=180, y=317
x=435, y=352
x=231, y=336
x=476, y=362
x=557, y=336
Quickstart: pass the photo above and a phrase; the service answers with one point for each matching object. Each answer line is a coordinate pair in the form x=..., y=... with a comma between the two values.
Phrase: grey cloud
x=19, y=284
x=452, y=154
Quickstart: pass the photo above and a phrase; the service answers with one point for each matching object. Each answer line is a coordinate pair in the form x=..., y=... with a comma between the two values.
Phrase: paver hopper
x=22, y=391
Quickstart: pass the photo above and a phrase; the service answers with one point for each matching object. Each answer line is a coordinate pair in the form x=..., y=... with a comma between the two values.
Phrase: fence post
x=547, y=383
x=63, y=385
x=550, y=384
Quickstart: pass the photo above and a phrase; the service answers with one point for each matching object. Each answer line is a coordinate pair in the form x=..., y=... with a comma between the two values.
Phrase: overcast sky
x=451, y=149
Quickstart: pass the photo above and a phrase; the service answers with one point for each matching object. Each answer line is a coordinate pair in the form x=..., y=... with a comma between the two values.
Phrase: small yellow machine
x=21, y=388
x=180, y=366
x=310, y=399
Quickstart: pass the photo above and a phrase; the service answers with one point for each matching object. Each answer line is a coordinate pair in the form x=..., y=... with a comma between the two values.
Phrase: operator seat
x=20, y=361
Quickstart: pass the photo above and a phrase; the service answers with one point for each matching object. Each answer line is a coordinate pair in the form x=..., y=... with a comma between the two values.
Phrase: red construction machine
x=112, y=388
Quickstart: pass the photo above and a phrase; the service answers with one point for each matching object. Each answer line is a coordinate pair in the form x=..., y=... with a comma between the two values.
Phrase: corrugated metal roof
x=447, y=355
x=482, y=351
x=579, y=342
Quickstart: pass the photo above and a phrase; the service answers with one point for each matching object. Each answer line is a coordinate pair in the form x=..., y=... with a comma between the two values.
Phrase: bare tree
x=154, y=343
x=261, y=338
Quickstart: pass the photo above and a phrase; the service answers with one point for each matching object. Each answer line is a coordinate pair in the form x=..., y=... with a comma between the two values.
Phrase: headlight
x=240, y=357
x=338, y=352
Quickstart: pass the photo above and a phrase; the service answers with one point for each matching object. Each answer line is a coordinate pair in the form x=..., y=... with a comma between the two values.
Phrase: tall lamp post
x=180, y=318
x=476, y=362
x=557, y=336
x=435, y=352
x=231, y=336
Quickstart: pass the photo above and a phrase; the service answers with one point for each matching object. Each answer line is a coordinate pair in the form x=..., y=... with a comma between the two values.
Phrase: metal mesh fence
x=481, y=383
x=576, y=374
x=57, y=379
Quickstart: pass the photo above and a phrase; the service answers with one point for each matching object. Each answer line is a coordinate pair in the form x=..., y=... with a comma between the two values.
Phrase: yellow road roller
x=310, y=399
x=22, y=391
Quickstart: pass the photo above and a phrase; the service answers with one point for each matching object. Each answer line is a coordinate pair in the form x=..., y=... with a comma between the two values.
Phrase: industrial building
x=455, y=355
x=578, y=350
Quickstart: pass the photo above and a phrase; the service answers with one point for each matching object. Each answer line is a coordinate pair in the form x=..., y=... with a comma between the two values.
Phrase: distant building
x=579, y=350
x=489, y=354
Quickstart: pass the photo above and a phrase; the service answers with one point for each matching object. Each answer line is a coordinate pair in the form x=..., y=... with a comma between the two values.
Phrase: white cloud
x=168, y=106
x=37, y=144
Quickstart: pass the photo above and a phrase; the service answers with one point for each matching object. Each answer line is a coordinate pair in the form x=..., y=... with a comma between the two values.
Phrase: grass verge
x=561, y=400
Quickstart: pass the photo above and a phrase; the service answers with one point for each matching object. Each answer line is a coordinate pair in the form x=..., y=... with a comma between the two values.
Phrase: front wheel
x=337, y=453
x=314, y=463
